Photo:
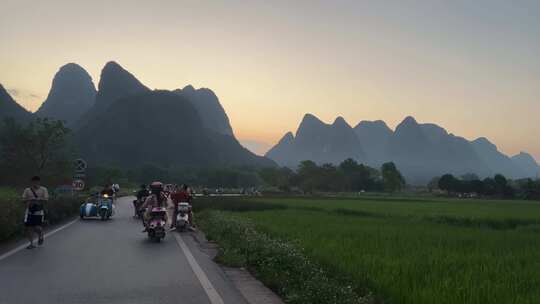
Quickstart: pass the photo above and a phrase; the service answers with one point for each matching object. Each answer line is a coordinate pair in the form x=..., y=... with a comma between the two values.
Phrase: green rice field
x=424, y=250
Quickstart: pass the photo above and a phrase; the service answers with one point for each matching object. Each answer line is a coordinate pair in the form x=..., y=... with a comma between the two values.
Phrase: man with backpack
x=35, y=198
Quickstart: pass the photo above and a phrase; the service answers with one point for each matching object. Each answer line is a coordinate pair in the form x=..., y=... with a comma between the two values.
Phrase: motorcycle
x=155, y=227
x=182, y=216
x=98, y=206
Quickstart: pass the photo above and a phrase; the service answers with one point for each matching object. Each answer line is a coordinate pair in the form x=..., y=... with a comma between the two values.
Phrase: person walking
x=35, y=198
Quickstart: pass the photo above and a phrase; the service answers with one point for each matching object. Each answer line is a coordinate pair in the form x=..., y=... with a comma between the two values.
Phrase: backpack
x=34, y=205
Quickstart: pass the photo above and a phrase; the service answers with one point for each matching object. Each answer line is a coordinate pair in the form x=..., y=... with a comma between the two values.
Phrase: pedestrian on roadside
x=35, y=198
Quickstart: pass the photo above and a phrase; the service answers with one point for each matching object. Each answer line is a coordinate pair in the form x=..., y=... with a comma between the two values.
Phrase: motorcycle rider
x=157, y=198
x=183, y=195
x=142, y=194
x=108, y=190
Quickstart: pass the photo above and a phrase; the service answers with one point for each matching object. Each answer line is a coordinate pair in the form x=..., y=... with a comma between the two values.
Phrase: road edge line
x=46, y=235
x=209, y=289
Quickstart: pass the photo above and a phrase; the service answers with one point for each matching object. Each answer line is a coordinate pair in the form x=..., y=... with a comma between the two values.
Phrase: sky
x=472, y=67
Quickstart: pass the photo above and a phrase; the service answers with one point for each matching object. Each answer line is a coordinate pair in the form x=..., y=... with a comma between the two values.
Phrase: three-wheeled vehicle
x=98, y=206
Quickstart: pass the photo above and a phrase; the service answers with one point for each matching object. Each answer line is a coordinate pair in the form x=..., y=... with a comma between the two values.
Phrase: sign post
x=78, y=183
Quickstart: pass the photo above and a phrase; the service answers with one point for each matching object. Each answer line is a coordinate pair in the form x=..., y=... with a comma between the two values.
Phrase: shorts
x=33, y=220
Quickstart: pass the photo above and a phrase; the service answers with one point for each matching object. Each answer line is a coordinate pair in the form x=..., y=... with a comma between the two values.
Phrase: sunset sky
x=472, y=67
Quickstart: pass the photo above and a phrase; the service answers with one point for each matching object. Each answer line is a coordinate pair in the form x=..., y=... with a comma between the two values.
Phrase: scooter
x=105, y=207
x=97, y=206
x=155, y=227
x=182, y=217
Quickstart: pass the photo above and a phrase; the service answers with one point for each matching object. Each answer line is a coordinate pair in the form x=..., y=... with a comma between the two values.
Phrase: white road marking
x=46, y=235
x=211, y=292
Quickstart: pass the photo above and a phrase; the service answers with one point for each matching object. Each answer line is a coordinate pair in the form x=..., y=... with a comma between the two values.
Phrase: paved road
x=113, y=262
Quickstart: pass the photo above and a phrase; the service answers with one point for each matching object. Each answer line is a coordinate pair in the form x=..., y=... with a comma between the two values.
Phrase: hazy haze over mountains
x=421, y=151
x=319, y=142
x=374, y=135
x=527, y=163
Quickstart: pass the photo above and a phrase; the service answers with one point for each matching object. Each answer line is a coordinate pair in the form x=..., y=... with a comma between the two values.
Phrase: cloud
x=255, y=146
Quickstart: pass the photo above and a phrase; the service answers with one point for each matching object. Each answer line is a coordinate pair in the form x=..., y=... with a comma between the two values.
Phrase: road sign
x=79, y=176
x=78, y=184
x=80, y=165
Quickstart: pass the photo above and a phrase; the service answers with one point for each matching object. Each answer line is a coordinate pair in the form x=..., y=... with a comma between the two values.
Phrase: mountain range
x=420, y=150
x=124, y=123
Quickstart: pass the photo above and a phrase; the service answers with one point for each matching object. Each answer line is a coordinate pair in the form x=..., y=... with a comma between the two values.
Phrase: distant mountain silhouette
x=283, y=152
x=72, y=94
x=495, y=160
x=162, y=128
x=114, y=83
x=374, y=136
x=319, y=142
x=527, y=163
x=9, y=108
x=421, y=151
x=209, y=108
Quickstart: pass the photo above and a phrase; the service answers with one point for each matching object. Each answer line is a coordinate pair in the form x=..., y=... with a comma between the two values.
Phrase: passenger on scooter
x=157, y=198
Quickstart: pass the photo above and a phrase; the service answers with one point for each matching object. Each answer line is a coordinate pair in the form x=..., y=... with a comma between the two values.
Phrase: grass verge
x=280, y=265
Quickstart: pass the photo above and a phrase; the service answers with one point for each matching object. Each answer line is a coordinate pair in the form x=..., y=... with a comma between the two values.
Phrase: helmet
x=156, y=186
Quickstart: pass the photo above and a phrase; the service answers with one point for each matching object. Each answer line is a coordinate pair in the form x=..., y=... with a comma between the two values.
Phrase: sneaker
x=40, y=241
x=31, y=246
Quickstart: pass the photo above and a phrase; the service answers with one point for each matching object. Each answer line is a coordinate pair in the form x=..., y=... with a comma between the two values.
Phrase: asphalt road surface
x=92, y=261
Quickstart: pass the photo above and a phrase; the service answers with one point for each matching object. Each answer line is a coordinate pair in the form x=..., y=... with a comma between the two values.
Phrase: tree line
x=348, y=176
x=496, y=186
x=39, y=147
x=43, y=147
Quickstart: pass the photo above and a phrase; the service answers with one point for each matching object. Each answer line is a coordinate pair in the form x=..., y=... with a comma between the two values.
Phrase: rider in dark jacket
x=108, y=190
x=142, y=194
